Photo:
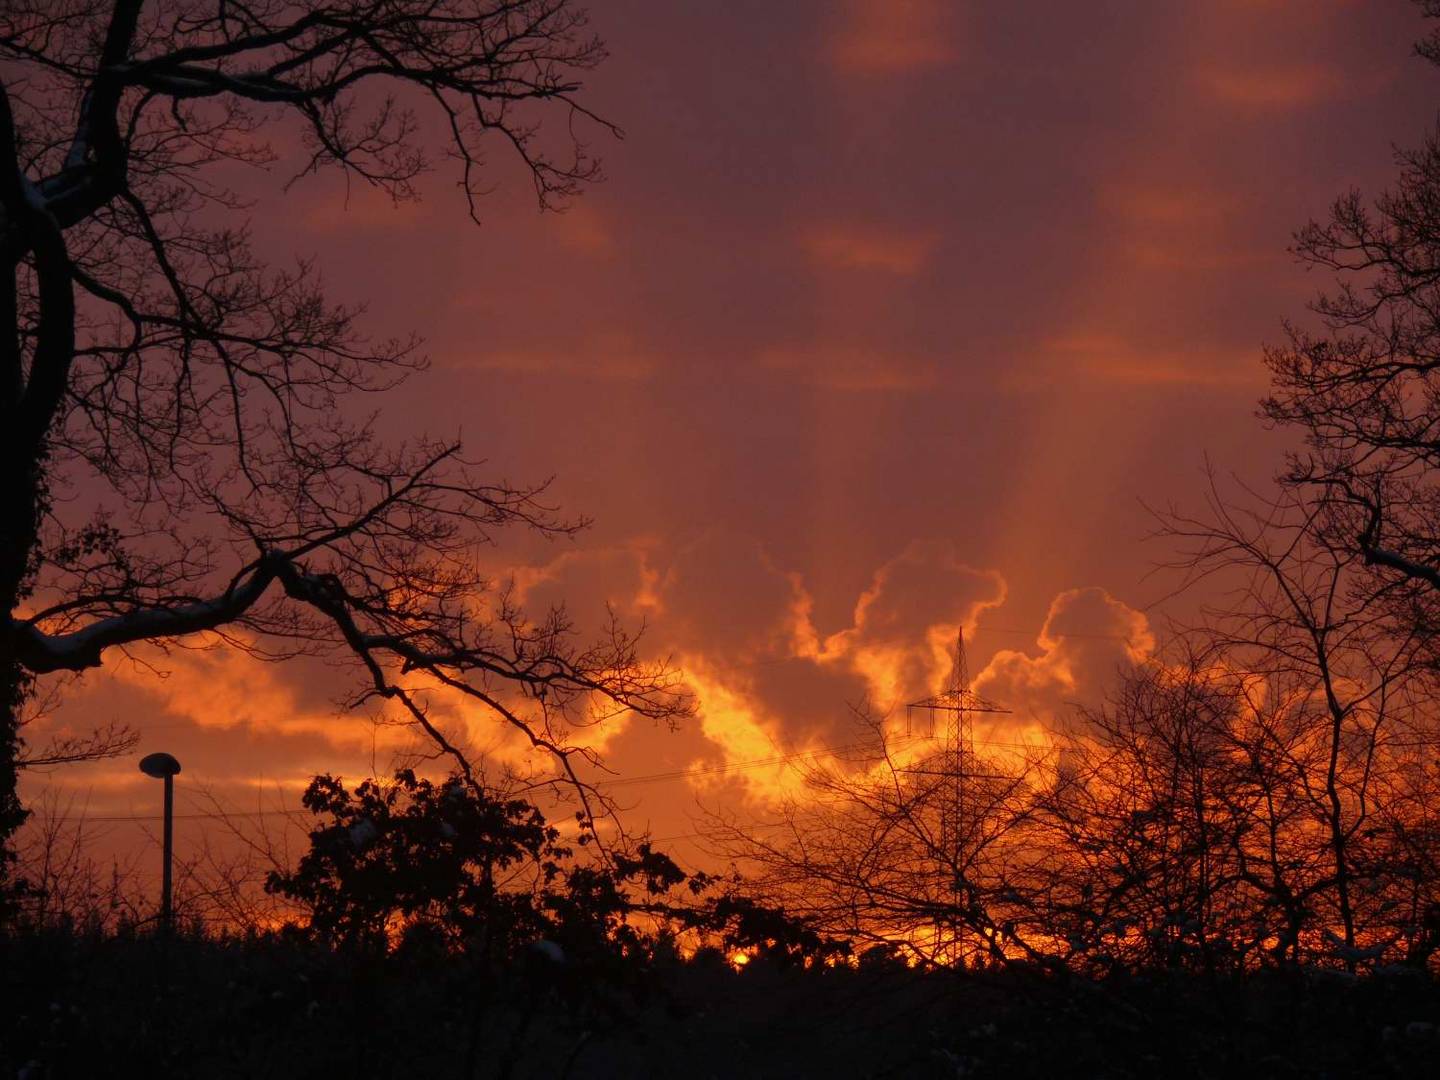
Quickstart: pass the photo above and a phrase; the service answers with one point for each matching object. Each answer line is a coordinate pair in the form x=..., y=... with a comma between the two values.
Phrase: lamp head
x=159, y=765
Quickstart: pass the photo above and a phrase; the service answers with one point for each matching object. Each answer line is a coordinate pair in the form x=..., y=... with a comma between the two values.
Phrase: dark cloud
x=810, y=700
x=723, y=596
x=1089, y=637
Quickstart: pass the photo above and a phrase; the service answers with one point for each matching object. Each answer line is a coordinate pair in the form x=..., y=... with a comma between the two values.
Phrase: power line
x=198, y=815
x=649, y=778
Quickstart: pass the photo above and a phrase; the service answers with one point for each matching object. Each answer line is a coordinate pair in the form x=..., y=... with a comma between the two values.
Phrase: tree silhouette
x=1320, y=769
x=880, y=851
x=414, y=857
x=181, y=448
x=1364, y=384
x=486, y=875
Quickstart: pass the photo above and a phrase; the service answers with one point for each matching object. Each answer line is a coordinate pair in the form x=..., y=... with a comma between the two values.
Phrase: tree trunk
x=1338, y=837
x=13, y=684
x=21, y=499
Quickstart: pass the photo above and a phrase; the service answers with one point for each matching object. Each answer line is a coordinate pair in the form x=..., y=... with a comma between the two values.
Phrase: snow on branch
x=44, y=653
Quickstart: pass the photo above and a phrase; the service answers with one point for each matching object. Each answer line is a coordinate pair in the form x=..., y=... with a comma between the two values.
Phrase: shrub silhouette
x=455, y=868
x=422, y=860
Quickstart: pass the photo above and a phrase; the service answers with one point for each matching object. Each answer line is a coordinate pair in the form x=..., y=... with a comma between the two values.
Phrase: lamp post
x=164, y=767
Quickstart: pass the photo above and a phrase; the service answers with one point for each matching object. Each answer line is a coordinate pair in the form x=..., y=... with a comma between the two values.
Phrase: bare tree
x=1364, y=384
x=881, y=851
x=66, y=884
x=1133, y=860
x=64, y=746
x=181, y=443
x=1335, y=689
x=1257, y=794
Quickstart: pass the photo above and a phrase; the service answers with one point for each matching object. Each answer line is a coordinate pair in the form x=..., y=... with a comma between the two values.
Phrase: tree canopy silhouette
x=1364, y=384
x=180, y=445
x=485, y=875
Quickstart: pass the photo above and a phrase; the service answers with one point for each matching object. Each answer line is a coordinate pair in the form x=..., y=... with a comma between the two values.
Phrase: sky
x=888, y=318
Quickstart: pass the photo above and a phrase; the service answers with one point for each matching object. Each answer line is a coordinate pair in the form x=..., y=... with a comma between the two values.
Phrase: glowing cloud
x=765, y=680
x=905, y=623
x=224, y=687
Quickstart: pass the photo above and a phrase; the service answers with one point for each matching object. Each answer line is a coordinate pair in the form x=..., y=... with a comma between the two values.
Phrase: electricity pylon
x=955, y=706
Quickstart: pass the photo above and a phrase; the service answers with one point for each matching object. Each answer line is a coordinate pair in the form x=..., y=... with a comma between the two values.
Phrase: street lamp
x=164, y=767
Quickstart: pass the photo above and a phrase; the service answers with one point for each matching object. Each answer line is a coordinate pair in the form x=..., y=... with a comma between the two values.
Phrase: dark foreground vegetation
x=278, y=1006
x=439, y=929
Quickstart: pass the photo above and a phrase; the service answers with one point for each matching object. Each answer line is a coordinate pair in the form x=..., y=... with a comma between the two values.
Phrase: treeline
x=1202, y=820
x=447, y=931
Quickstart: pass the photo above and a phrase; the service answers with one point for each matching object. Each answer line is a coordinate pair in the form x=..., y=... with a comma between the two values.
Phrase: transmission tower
x=954, y=708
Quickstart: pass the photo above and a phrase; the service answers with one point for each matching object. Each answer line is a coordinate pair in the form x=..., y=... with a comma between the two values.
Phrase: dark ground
x=76, y=1007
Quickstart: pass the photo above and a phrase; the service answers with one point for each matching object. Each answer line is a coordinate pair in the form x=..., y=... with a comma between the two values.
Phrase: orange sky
x=886, y=319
